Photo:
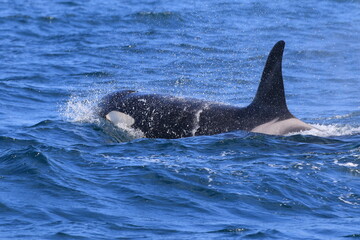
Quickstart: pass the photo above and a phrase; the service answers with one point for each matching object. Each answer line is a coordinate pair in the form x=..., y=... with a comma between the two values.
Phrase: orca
x=160, y=116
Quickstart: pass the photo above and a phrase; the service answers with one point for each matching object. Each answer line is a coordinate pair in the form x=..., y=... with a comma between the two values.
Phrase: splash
x=81, y=109
x=331, y=130
x=84, y=109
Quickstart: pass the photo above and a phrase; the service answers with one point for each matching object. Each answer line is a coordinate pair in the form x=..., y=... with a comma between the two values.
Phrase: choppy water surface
x=66, y=174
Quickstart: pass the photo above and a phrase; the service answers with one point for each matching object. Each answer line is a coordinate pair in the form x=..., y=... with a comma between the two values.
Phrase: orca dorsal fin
x=271, y=88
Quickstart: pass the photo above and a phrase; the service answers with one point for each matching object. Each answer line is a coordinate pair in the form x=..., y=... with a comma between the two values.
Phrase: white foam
x=330, y=130
x=346, y=164
x=346, y=199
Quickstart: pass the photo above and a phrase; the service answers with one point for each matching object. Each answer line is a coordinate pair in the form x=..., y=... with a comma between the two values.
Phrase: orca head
x=269, y=106
x=111, y=102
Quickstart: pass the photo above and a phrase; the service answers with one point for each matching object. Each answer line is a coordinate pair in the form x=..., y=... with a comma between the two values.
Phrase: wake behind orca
x=159, y=116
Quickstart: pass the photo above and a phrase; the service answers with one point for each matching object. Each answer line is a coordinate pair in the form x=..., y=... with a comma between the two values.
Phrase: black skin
x=159, y=116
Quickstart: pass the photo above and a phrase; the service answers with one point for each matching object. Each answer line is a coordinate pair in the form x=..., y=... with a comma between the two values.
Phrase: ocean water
x=66, y=174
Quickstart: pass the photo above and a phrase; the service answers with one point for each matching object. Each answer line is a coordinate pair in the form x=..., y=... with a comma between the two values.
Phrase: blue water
x=65, y=174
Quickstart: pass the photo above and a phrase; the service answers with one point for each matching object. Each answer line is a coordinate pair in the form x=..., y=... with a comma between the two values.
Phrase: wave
x=164, y=18
x=157, y=15
x=350, y=115
x=29, y=160
x=98, y=74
